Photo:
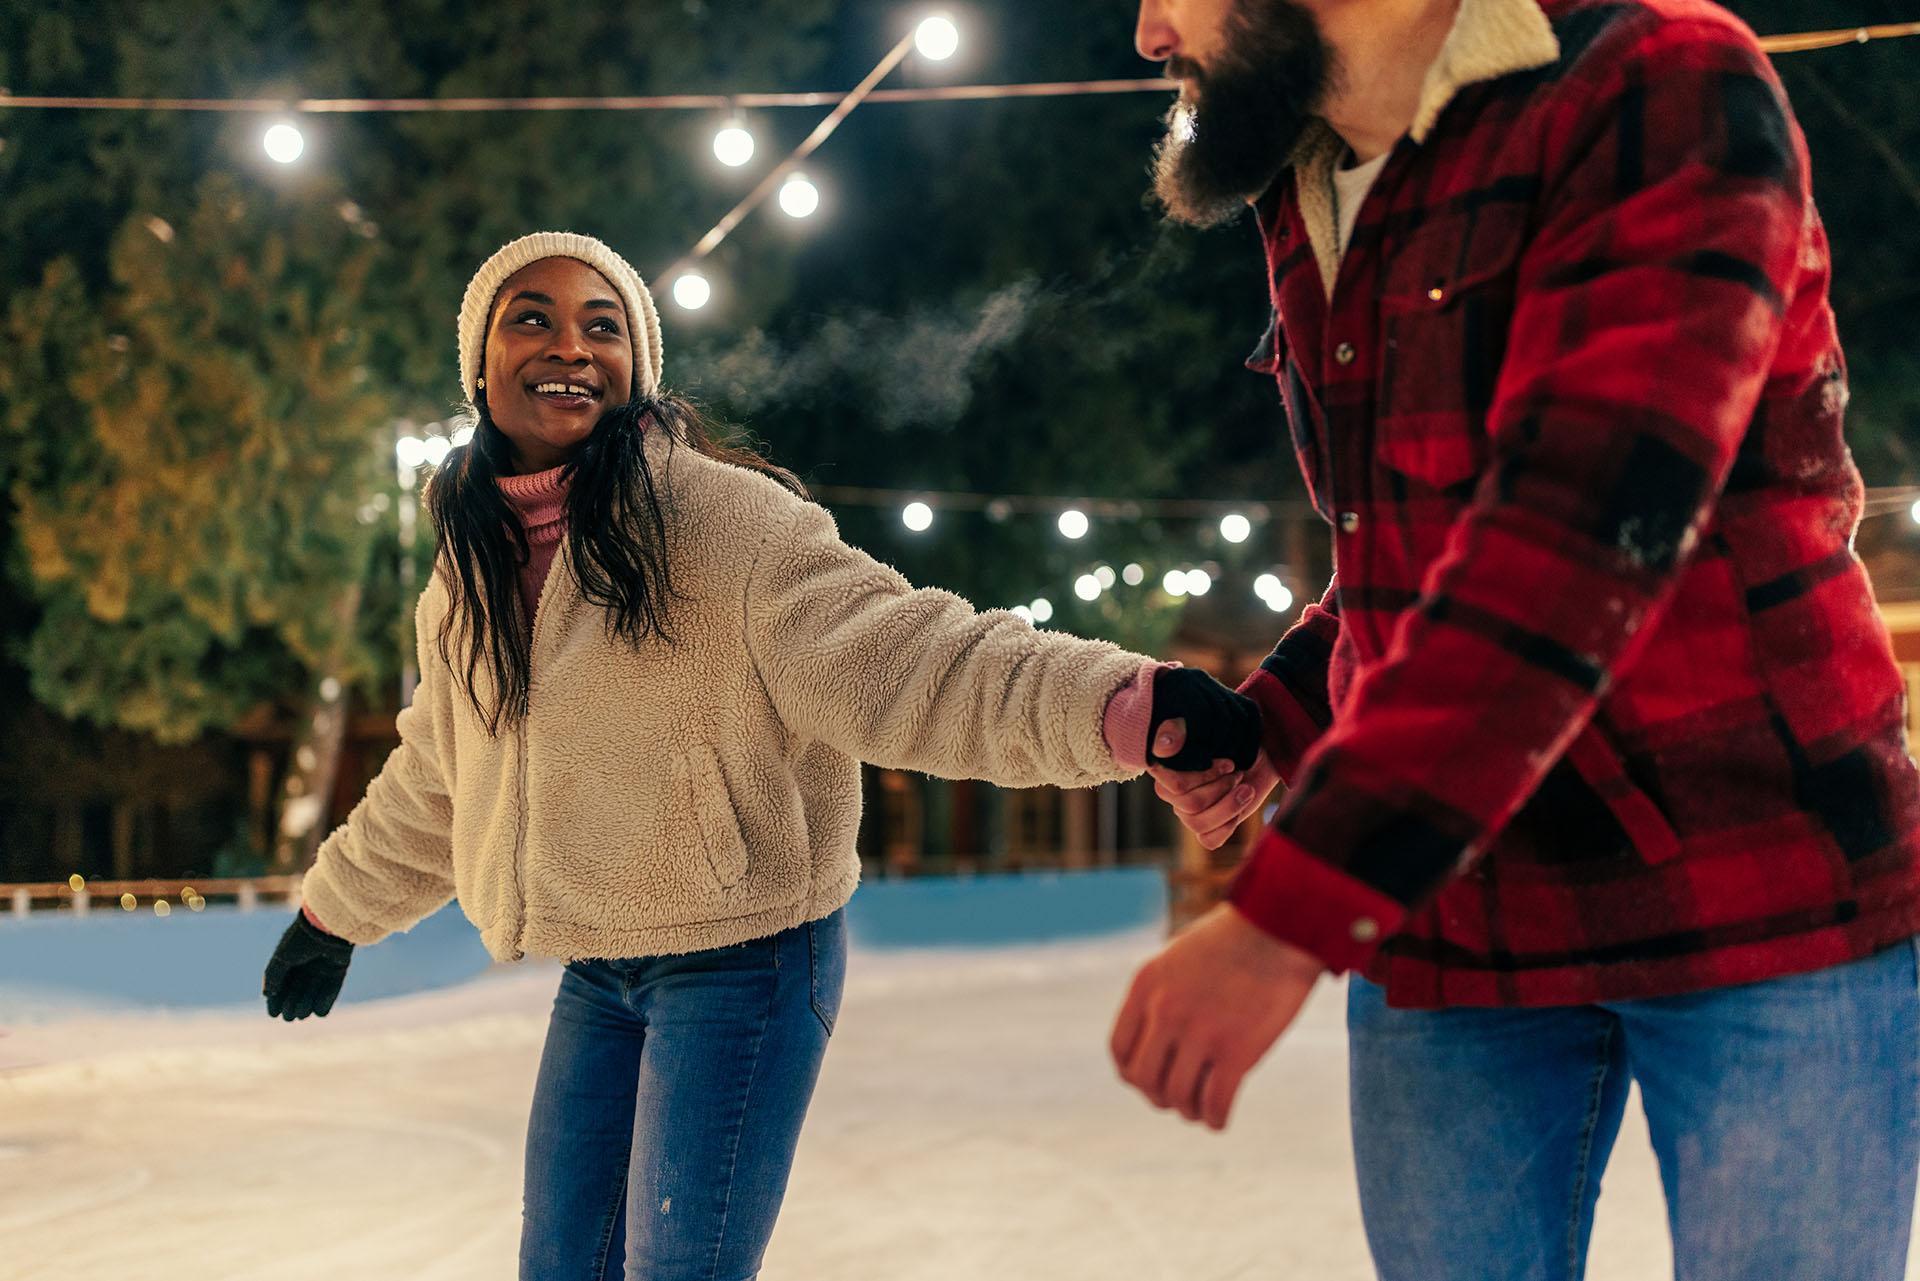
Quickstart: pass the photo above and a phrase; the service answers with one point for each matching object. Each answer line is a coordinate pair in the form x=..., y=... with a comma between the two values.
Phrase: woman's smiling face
x=559, y=354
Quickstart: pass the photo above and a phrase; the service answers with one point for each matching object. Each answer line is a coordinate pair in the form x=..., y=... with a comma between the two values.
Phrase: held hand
x=306, y=970
x=1210, y=803
x=1205, y=1010
x=1215, y=722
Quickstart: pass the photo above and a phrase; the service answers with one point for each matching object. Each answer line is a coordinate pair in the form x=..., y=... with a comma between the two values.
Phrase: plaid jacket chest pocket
x=1446, y=301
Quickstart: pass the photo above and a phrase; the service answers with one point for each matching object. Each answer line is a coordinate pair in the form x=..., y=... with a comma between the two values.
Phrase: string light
x=1073, y=524
x=410, y=452
x=434, y=449
x=128, y=902
x=1235, y=528
x=1199, y=582
x=937, y=38
x=1175, y=583
x=799, y=197
x=1022, y=613
x=1915, y=512
x=1798, y=42
x=1270, y=589
x=1133, y=575
x=692, y=291
x=1105, y=577
x=76, y=882
x=1042, y=610
x=284, y=143
x=918, y=517
x=733, y=145
x=1087, y=587
x=461, y=436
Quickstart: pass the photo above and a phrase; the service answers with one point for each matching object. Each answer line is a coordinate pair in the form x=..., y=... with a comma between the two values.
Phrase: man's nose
x=1153, y=36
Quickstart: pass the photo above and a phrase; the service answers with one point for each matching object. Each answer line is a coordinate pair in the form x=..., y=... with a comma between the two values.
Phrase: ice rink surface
x=968, y=1127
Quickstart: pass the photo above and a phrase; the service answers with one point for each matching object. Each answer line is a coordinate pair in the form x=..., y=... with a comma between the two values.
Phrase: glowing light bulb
x=1042, y=610
x=692, y=291
x=1281, y=601
x=1199, y=582
x=1175, y=583
x=1235, y=528
x=1133, y=575
x=284, y=143
x=918, y=517
x=1105, y=577
x=435, y=449
x=733, y=146
x=799, y=197
x=937, y=38
x=1073, y=523
x=410, y=451
x=1086, y=587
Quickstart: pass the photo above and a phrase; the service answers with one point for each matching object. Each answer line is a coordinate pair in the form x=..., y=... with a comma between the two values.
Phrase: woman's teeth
x=563, y=389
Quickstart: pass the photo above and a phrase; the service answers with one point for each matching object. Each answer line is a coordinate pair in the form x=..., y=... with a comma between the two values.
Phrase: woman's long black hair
x=616, y=540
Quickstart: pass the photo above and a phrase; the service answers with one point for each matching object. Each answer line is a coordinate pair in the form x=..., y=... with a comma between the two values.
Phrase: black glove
x=305, y=972
x=1220, y=722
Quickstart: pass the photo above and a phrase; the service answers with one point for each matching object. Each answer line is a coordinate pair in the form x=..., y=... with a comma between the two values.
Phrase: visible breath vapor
x=911, y=370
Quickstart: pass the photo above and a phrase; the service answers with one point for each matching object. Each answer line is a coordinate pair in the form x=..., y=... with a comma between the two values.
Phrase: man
x=1595, y=747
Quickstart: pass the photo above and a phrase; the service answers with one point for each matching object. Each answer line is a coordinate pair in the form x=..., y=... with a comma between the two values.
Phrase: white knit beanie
x=642, y=320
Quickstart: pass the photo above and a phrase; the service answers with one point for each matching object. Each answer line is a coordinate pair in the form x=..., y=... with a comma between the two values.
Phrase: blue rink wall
x=55, y=963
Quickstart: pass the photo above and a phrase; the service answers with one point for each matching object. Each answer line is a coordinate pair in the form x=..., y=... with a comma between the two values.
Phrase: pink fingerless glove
x=1130, y=717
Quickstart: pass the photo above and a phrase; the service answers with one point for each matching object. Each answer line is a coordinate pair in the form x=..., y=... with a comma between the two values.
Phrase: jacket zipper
x=540, y=611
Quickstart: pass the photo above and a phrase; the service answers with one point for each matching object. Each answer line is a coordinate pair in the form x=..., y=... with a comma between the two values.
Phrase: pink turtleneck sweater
x=540, y=500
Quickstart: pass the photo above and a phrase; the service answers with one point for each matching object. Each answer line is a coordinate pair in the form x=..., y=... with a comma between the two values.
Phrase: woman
x=649, y=672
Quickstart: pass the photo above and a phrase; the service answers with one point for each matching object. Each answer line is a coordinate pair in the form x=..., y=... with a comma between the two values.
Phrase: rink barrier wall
x=55, y=963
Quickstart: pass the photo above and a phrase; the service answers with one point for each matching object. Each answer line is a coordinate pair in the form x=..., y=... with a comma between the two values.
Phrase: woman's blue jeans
x=669, y=1105
x=1785, y=1116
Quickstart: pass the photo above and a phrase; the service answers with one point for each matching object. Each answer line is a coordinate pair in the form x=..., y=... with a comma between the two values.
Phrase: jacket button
x=1365, y=930
x=1344, y=353
x=1349, y=522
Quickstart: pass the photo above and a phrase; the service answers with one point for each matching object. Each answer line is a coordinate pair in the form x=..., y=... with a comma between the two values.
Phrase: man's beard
x=1235, y=129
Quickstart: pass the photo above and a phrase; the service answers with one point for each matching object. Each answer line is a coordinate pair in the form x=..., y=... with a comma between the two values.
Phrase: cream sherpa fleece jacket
x=703, y=792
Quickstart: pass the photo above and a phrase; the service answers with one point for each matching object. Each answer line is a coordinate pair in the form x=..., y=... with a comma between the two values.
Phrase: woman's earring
x=480, y=384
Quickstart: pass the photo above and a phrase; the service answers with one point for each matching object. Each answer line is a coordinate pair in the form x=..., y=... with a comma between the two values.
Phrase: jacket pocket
x=1446, y=306
x=1601, y=767
x=701, y=787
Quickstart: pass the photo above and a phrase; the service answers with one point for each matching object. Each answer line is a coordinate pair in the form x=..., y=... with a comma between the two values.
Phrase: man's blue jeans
x=669, y=1104
x=1785, y=1116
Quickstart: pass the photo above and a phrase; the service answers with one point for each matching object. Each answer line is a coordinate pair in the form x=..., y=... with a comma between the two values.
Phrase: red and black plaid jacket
x=1598, y=705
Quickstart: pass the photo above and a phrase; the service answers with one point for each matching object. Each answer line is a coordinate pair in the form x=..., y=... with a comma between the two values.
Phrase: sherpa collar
x=1489, y=39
